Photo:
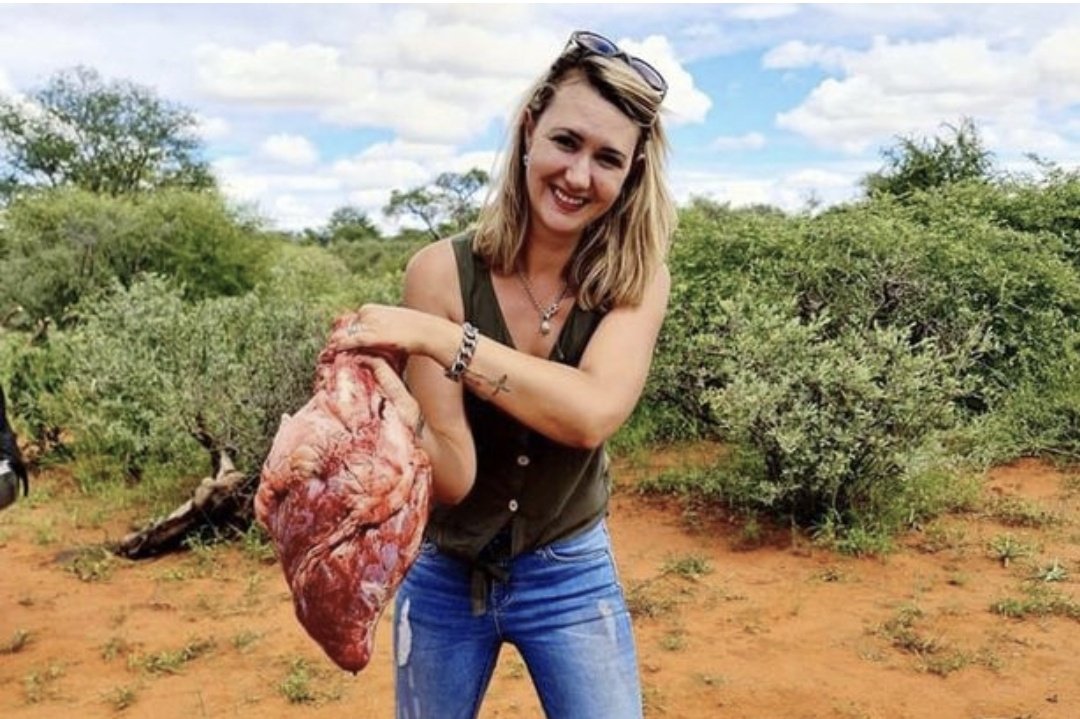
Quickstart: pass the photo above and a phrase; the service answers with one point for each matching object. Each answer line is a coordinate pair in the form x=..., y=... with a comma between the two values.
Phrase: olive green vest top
x=540, y=489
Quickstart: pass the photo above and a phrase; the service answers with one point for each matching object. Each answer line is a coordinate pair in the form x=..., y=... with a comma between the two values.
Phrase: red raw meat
x=344, y=493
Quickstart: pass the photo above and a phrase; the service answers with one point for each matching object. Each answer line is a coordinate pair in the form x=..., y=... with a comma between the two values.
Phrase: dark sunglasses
x=600, y=45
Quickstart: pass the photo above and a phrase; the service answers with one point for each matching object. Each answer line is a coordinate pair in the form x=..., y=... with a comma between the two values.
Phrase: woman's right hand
x=394, y=388
x=385, y=329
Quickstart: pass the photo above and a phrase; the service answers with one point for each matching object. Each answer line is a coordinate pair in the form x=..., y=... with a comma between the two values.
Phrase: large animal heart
x=344, y=493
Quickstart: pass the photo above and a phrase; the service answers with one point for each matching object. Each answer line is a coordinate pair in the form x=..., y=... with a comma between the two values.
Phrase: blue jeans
x=560, y=605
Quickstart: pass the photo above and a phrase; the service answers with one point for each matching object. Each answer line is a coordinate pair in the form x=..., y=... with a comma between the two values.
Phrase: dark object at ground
x=12, y=467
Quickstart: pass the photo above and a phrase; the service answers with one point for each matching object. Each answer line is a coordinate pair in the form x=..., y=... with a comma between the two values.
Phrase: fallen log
x=220, y=501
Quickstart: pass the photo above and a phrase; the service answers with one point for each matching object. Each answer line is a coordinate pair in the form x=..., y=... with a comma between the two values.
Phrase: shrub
x=836, y=421
x=32, y=372
x=1018, y=284
x=318, y=277
x=62, y=245
x=149, y=372
x=717, y=254
x=1041, y=416
x=1046, y=203
x=375, y=257
x=1001, y=303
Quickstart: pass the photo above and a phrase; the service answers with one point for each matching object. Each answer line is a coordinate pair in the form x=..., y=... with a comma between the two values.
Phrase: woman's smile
x=566, y=201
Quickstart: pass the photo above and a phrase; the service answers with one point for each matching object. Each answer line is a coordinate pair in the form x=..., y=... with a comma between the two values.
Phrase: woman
x=529, y=342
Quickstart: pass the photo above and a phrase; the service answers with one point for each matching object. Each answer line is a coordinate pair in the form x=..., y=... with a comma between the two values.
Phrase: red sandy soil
x=781, y=629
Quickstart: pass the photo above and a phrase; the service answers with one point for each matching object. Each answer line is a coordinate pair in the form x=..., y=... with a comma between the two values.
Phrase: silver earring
x=525, y=160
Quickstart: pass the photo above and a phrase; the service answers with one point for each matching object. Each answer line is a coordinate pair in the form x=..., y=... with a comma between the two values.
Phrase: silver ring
x=353, y=329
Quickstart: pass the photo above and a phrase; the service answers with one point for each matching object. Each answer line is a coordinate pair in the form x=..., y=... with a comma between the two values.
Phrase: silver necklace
x=546, y=314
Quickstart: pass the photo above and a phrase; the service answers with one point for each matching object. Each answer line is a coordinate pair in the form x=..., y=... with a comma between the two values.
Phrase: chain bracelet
x=469, y=337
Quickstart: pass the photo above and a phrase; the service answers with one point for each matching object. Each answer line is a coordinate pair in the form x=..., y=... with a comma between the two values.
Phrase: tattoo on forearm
x=484, y=382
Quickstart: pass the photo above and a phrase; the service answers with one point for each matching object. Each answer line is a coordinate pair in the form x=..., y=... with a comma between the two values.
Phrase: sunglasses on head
x=600, y=45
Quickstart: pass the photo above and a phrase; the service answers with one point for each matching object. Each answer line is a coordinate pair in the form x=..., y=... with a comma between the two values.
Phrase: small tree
x=106, y=137
x=446, y=206
x=348, y=224
x=459, y=193
x=917, y=164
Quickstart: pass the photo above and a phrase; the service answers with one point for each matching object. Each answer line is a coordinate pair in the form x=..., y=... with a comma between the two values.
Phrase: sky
x=307, y=108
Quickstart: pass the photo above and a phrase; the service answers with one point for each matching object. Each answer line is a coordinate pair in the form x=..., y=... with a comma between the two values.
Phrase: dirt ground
x=726, y=627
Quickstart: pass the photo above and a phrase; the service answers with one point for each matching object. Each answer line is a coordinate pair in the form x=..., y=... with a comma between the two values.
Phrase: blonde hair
x=619, y=252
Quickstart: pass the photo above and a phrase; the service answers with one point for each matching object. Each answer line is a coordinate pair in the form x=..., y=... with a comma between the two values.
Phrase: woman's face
x=580, y=153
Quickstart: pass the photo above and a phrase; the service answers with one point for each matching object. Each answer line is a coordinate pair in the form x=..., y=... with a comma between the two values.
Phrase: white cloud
x=398, y=165
x=403, y=149
x=289, y=149
x=461, y=46
x=427, y=75
x=738, y=192
x=953, y=64
x=5, y=84
x=797, y=54
x=1040, y=140
x=1057, y=63
x=279, y=73
x=246, y=181
x=762, y=11
x=424, y=80
x=906, y=87
x=428, y=108
x=749, y=141
x=212, y=128
x=367, y=174
x=402, y=165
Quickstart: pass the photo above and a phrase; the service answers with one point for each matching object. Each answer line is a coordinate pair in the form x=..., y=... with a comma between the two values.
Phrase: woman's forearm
x=579, y=406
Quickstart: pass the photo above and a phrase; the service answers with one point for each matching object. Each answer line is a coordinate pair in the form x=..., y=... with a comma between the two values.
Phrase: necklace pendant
x=551, y=311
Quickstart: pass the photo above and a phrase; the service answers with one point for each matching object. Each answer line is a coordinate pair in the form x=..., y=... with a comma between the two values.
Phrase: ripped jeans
x=560, y=605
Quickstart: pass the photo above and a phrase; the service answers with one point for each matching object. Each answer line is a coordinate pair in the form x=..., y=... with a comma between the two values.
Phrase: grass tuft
x=298, y=686
x=121, y=698
x=1016, y=512
x=1040, y=601
x=1007, y=548
x=171, y=661
x=19, y=641
x=91, y=564
x=40, y=685
x=691, y=566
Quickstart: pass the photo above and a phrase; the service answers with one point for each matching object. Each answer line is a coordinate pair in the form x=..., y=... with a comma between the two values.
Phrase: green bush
x=850, y=356
x=942, y=266
x=149, y=372
x=834, y=421
x=1041, y=416
x=62, y=245
x=375, y=257
x=142, y=365
x=32, y=371
x=717, y=253
x=1045, y=202
x=318, y=277
x=1019, y=285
